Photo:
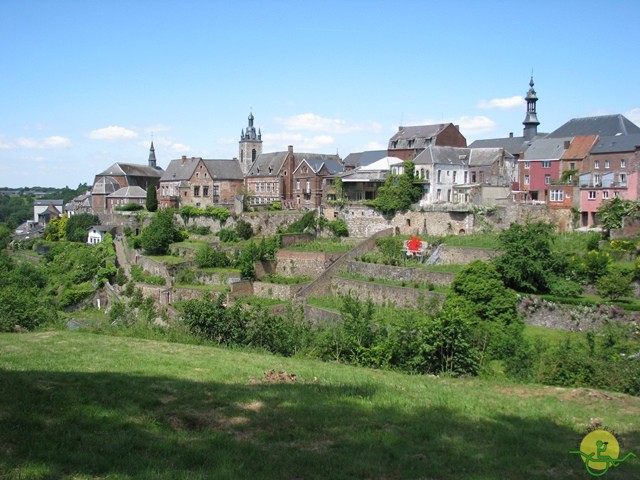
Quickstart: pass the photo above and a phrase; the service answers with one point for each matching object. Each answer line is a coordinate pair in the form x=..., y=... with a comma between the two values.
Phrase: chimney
x=567, y=144
x=183, y=159
x=510, y=134
x=457, y=127
x=290, y=149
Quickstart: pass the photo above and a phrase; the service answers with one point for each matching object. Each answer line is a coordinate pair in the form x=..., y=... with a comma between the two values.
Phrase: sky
x=87, y=83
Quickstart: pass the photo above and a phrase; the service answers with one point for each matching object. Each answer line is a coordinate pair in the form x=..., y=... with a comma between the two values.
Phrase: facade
x=200, y=182
x=125, y=196
x=96, y=233
x=362, y=183
x=408, y=142
x=362, y=159
x=250, y=146
x=309, y=179
x=40, y=206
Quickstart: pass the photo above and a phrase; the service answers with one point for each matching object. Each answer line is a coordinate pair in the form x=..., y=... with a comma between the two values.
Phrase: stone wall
x=288, y=239
x=266, y=223
x=449, y=255
x=407, y=274
x=153, y=267
x=224, y=278
x=276, y=290
x=241, y=289
x=380, y=294
x=322, y=285
x=312, y=264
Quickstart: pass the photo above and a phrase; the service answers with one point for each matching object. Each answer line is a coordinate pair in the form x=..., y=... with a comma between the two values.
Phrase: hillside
x=84, y=406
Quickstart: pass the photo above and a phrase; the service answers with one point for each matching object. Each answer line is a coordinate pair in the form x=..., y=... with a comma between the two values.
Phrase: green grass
x=168, y=259
x=82, y=406
x=204, y=288
x=329, y=246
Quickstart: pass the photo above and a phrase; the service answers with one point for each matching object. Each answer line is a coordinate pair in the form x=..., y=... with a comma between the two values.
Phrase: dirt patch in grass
x=194, y=421
x=271, y=376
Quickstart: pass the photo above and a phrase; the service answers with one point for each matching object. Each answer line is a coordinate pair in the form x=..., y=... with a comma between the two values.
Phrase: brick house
x=309, y=176
x=200, y=182
x=271, y=177
x=408, y=142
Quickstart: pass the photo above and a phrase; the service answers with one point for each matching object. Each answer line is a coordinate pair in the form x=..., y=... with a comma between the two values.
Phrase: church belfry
x=152, y=156
x=250, y=145
x=531, y=122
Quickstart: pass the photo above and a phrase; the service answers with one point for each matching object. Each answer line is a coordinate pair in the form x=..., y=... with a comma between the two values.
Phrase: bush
x=244, y=230
x=210, y=257
x=338, y=228
x=129, y=207
x=227, y=235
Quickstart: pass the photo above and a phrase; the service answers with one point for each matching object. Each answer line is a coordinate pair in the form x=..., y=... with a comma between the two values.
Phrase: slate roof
x=316, y=164
x=546, y=149
x=260, y=168
x=43, y=202
x=224, y=169
x=129, y=192
x=619, y=143
x=603, y=125
x=416, y=133
x=487, y=156
x=180, y=169
x=434, y=154
x=360, y=159
x=105, y=186
x=384, y=164
x=132, y=170
x=364, y=176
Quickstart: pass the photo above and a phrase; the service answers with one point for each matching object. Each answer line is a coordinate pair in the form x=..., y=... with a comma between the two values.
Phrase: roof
x=619, y=143
x=359, y=175
x=129, y=192
x=102, y=228
x=45, y=202
x=333, y=164
x=487, y=156
x=180, y=169
x=546, y=149
x=434, y=154
x=603, y=125
x=224, y=169
x=384, y=164
x=513, y=145
x=50, y=210
x=360, y=159
x=132, y=170
x=267, y=164
x=105, y=186
x=425, y=133
x=580, y=147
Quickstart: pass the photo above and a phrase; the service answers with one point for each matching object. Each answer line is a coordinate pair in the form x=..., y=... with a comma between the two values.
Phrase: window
x=546, y=164
x=596, y=164
x=605, y=194
x=216, y=190
x=623, y=163
x=597, y=179
x=205, y=191
x=572, y=165
x=616, y=194
x=473, y=177
x=557, y=195
x=466, y=177
x=547, y=179
x=607, y=164
x=438, y=194
x=454, y=176
x=297, y=184
x=592, y=195
x=527, y=165
x=439, y=175
x=308, y=189
x=623, y=178
x=527, y=180
x=196, y=191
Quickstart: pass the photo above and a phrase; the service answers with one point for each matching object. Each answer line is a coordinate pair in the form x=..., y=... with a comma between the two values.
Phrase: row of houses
x=579, y=165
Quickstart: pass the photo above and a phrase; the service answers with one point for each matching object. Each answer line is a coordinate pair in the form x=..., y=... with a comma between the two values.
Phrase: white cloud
x=280, y=142
x=54, y=141
x=475, y=125
x=112, y=133
x=311, y=122
x=5, y=144
x=502, y=103
x=633, y=115
x=375, y=146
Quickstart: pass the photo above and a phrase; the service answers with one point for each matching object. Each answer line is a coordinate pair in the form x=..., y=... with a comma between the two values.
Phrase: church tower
x=250, y=145
x=152, y=156
x=531, y=122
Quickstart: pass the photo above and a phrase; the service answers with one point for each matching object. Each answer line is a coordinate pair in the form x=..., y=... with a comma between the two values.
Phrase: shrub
x=338, y=228
x=129, y=207
x=210, y=257
x=227, y=235
x=244, y=230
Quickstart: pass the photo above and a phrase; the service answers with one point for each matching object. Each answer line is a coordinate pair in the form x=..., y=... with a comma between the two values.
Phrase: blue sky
x=86, y=83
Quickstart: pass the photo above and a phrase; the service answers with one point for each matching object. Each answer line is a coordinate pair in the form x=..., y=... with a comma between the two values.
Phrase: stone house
x=126, y=195
x=48, y=208
x=96, y=233
x=309, y=179
x=200, y=182
x=408, y=142
x=362, y=183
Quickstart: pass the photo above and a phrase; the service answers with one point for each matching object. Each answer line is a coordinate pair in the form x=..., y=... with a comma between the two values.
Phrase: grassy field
x=75, y=405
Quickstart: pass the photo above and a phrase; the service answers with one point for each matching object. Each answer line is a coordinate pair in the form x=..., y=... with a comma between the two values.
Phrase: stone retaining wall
x=276, y=290
x=464, y=255
x=380, y=294
x=407, y=274
x=312, y=264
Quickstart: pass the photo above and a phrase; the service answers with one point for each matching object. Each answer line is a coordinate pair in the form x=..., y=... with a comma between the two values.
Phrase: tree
x=615, y=284
x=244, y=230
x=398, y=192
x=77, y=226
x=527, y=262
x=152, y=199
x=161, y=232
x=611, y=212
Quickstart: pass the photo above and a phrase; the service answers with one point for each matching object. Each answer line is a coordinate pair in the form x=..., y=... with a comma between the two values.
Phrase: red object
x=414, y=244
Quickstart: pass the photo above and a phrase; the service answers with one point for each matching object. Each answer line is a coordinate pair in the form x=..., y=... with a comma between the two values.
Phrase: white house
x=96, y=233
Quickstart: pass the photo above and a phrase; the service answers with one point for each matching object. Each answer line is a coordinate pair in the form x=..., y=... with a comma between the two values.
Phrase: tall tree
x=160, y=233
x=152, y=199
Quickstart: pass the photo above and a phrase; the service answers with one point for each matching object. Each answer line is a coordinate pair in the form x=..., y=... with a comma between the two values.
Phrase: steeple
x=152, y=156
x=250, y=145
x=531, y=119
